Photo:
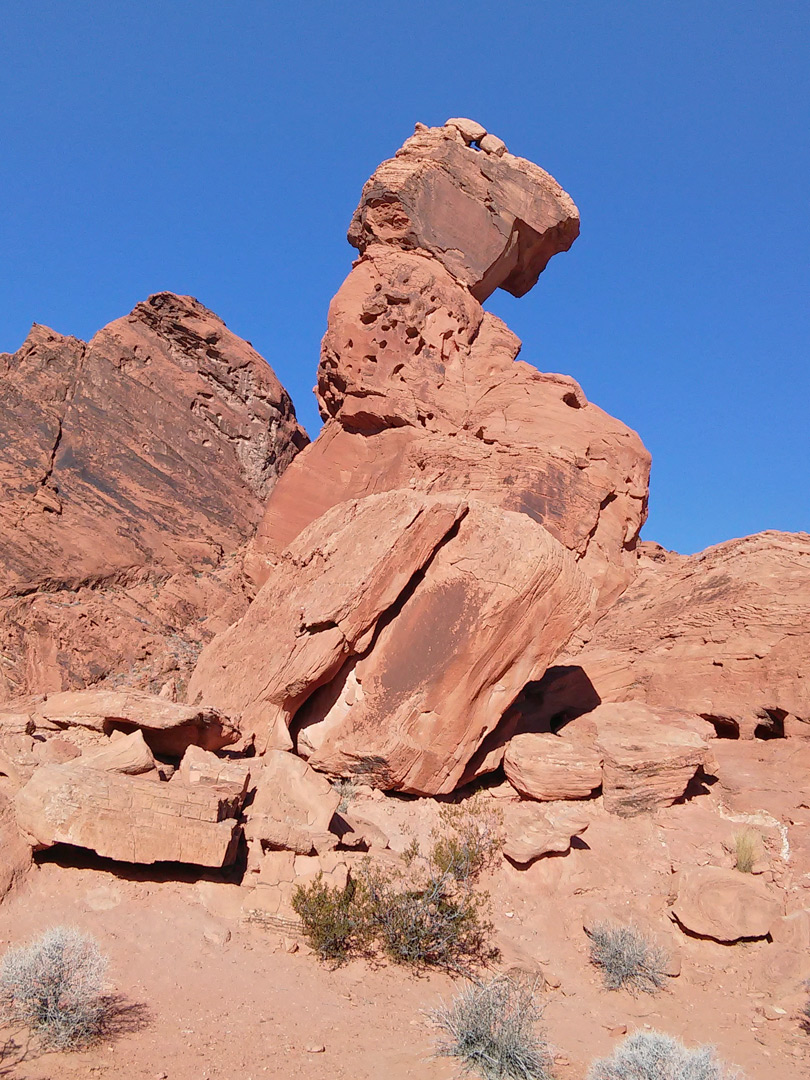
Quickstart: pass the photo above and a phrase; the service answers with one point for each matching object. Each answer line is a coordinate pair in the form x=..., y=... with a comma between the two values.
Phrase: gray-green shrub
x=491, y=1029
x=651, y=1055
x=627, y=959
x=55, y=987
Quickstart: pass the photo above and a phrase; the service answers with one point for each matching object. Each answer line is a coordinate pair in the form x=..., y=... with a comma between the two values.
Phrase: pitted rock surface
x=421, y=388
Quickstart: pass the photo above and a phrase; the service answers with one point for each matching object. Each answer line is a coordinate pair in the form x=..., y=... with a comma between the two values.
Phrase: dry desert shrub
x=423, y=913
x=55, y=987
x=746, y=850
x=491, y=1029
x=651, y=1055
x=627, y=959
x=336, y=921
x=468, y=838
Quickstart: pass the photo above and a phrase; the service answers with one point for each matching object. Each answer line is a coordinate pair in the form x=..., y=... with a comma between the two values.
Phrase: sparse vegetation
x=651, y=1055
x=422, y=913
x=55, y=987
x=335, y=921
x=746, y=849
x=345, y=787
x=491, y=1028
x=468, y=839
x=627, y=959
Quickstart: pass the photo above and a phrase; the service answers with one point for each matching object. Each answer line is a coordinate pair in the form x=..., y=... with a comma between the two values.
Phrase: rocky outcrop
x=649, y=756
x=293, y=806
x=128, y=818
x=546, y=767
x=547, y=834
x=402, y=628
x=725, y=905
x=129, y=464
x=15, y=853
x=492, y=219
x=420, y=388
x=168, y=728
x=126, y=754
x=724, y=634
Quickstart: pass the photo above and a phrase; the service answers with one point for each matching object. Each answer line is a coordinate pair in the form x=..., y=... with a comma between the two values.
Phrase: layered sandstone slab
x=148, y=452
x=649, y=756
x=493, y=219
x=726, y=905
x=402, y=628
x=724, y=634
x=546, y=767
x=548, y=834
x=168, y=727
x=128, y=818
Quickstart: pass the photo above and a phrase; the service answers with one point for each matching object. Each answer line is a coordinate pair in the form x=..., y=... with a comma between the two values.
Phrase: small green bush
x=423, y=913
x=627, y=959
x=746, y=850
x=54, y=986
x=335, y=921
x=651, y=1055
x=490, y=1027
x=425, y=919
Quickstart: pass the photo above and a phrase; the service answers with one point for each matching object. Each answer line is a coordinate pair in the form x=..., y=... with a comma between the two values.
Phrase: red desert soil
x=245, y=1007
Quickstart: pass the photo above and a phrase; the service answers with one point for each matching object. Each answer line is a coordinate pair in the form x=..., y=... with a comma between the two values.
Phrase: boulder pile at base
x=206, y=620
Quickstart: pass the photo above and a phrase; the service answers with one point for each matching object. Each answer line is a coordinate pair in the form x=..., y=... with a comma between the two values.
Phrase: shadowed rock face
x=420, y=387
x=146, y=453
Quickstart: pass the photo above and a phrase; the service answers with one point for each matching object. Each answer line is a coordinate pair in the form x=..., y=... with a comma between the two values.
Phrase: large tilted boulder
x=420, y=387
x=394, y=634
x=724, y=634
x=128, y=818
x=130, y=464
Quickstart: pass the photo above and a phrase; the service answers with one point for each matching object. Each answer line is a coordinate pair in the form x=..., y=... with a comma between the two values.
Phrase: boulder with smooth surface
x=726, y=905
x=547, y=767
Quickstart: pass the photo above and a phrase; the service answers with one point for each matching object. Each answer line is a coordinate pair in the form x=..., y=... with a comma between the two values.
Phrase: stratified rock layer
x=128, y=465
x=128, y=818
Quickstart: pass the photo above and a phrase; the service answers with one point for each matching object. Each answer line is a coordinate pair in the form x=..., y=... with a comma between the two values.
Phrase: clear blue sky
x=219, y=149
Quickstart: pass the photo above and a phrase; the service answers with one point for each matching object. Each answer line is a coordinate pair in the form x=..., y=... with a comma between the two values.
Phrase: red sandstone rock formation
x=419, y=386
x=129, y=818
x=395, y=633
x=724, y=634
x=129, y=465
x=726, y=905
